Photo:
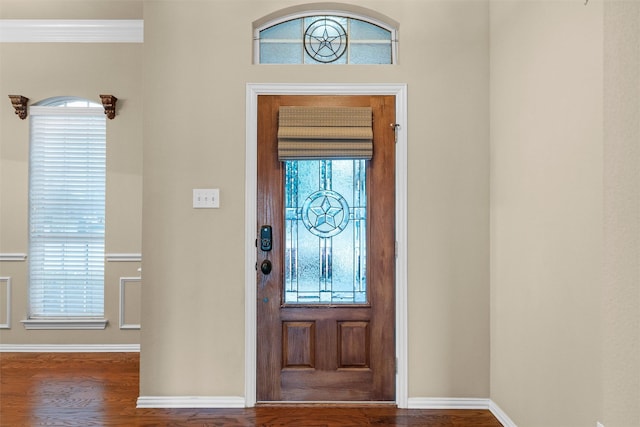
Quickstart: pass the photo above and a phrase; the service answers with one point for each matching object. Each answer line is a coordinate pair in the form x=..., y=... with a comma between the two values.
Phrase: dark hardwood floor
x=100, y=389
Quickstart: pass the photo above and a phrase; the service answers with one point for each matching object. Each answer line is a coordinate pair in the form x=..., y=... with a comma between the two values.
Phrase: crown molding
x=71, y=30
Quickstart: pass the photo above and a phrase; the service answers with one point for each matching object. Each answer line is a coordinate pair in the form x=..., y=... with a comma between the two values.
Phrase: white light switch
x=206, y=198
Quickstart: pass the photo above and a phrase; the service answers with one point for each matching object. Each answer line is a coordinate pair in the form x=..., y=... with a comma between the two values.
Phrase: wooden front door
x=332, y=342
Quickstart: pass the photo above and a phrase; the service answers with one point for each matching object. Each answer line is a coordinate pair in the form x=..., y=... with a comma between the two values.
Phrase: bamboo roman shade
x=310, y=133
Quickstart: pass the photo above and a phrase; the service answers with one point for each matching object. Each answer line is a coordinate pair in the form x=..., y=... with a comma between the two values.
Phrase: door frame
x=253, y=90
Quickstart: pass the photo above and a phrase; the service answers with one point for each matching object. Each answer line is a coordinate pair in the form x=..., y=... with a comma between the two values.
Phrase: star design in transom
x=326, y=213
x=325, y=40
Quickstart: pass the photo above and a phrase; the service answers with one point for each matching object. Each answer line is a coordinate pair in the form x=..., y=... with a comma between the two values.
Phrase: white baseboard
x=501, y=415
x=461, y=403
x=211, y=402
x=69, y=348
x=447, y=403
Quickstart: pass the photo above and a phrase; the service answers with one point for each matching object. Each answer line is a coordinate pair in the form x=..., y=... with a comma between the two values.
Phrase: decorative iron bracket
x=109, y=104
x=19, y=102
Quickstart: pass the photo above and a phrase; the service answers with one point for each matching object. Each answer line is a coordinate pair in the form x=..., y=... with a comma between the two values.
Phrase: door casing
x=252, y=93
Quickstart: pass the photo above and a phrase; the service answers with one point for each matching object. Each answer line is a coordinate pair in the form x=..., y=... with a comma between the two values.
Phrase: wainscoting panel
x=130, y=299
x=5, y=302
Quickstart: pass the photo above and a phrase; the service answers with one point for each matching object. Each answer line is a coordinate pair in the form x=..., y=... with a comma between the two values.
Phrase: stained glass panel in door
x=325, y=237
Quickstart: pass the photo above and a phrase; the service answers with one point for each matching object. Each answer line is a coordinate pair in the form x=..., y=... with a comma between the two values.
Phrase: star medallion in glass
x=326, y=232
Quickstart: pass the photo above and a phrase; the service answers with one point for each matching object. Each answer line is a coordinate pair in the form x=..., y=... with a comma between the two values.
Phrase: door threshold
x=332, y=404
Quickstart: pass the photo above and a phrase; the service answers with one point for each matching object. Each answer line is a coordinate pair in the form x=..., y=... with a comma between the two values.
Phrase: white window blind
x=67, y=210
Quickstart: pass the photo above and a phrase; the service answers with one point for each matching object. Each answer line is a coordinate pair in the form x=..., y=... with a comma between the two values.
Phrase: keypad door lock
x=265, y=238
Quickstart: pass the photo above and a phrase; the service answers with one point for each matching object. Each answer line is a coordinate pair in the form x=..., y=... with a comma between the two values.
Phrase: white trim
x=13, y=257
x=64, y=324
x=501, y=415
x=213, y=402
x=402, y=281
x=69, y=348
x=252, y=92
x=333, y=403
x=133, y=257
x=71, y=30
x=461, y=403
x=391, y=27
x=447, y=403
x=250, y=256
x=123, y=282
x=7, y=323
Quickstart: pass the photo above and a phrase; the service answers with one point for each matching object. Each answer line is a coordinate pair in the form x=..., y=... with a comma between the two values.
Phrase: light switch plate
x=206, y=198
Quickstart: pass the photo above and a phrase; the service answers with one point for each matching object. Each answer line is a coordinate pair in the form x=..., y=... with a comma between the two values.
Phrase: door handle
x=266, y=266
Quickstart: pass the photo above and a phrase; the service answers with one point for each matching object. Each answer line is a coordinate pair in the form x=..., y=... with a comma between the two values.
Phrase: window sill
x=65, y=323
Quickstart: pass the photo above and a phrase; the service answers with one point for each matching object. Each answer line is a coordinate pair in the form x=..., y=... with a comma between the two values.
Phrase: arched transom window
x=335, y=38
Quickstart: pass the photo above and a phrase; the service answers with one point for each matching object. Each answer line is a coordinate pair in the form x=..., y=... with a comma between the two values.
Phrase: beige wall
x=621, y=289
x=40, y=71
x=564, y=212
x=546, y=211
x=71, y=9
x=194, y=124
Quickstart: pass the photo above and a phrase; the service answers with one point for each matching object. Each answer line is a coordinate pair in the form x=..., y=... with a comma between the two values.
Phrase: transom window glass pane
x=325, y=40
x=326, y=231
x=284, y=44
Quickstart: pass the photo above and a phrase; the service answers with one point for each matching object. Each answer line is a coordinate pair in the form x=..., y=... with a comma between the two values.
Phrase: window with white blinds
x=67, y=209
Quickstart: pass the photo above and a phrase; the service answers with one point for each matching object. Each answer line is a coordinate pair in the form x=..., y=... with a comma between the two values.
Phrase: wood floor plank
x=101, y=389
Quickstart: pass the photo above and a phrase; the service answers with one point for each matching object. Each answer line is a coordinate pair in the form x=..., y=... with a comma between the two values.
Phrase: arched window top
x=67, y=105
x=67, y=101
x=324, y=36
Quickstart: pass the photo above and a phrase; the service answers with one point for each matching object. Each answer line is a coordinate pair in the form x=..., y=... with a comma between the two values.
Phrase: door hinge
x=396, y=249
x=396, y=365
x=395, y=127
